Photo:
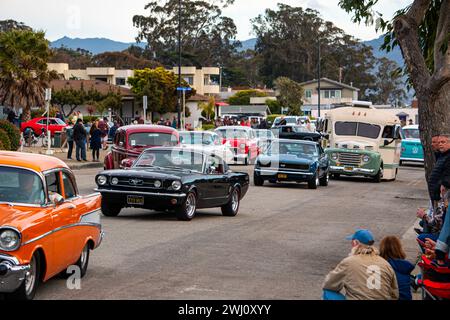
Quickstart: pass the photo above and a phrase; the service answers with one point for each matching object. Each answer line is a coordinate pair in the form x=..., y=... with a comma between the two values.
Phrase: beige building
x=205, y=80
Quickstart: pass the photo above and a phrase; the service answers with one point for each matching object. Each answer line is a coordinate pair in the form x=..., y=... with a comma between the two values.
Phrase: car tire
x=187, y=210
x=325, y=180
x=258, y=181
x=231, y=209
x=400, y=163
x=82, y=263
x=110, y=211
x=377, y=177
x=247, y=160
x=28, y=288
x=314, y=182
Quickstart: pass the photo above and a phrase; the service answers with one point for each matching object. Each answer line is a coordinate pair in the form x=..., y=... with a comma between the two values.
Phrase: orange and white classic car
x=45, y=225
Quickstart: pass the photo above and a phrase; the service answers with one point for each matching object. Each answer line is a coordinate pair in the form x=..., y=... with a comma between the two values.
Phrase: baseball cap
x=362, y=235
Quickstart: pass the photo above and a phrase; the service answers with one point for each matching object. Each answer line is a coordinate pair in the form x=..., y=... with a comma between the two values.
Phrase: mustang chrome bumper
x=12, y=274
x=141, y=193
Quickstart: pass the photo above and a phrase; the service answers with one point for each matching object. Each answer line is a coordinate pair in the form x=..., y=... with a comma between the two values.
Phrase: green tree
x=208, y=108
x=389, y=84
x=290, y=95
x=207, y=36
x=422, y=31
x=8, y=25
x=23, y=69
x=274, y=106
x=242, y=98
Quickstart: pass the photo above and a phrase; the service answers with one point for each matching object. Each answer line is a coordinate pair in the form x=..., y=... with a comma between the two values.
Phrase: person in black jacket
x=80, y=137
x=442, y=165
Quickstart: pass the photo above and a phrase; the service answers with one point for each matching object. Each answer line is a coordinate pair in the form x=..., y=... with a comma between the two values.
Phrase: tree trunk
x=26, y=114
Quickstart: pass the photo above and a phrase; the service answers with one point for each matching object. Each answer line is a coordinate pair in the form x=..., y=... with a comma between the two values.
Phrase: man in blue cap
x=363, y=275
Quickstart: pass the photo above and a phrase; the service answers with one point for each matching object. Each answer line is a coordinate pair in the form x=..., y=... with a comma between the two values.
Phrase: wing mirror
x=56, y=199
x=126, y=163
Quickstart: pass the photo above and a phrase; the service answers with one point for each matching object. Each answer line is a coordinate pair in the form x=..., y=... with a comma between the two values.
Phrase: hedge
x=4, y=140
x=207, y=127
x=13, y=134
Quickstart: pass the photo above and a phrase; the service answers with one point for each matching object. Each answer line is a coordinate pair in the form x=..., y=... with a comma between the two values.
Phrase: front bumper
x=152, y=200
x=412, y=159
x=273, y=174
x=352, y=171
x=12, y=274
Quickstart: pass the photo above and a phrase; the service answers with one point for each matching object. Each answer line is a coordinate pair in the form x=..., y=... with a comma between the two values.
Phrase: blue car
x=412, y=150
x=293, y=161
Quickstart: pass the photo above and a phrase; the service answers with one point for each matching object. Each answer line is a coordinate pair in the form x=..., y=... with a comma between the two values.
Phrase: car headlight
x=114, y=181
x=102, y=180
x=9, y=240
x=176, y=185
x=242, y=145
x=334, y=156
x=366, y=158
x=157, y=184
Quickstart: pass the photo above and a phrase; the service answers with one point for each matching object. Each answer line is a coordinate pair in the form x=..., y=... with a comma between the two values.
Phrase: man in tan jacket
x=363, y=275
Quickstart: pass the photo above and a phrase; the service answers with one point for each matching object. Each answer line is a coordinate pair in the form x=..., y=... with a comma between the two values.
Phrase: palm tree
x=208, y=107
x=23, y=69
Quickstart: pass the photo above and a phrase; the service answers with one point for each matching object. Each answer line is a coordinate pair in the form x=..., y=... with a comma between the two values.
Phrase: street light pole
x=179, y=64
x=318, y=77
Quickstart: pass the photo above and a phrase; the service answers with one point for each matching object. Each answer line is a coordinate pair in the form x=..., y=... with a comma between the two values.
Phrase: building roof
x=100, y=86
x=198, y=97
x=36, y=162
x=244, y=109
x=336, y=83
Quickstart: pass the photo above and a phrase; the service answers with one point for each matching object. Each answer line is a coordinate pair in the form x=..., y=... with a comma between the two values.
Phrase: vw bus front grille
x=352, y=159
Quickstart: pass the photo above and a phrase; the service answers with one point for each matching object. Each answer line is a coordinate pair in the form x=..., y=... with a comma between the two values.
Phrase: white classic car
x=209, y=142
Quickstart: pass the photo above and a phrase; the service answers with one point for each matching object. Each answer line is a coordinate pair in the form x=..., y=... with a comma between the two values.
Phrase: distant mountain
x=248, y=44
x=94, y=45
x=394, y=55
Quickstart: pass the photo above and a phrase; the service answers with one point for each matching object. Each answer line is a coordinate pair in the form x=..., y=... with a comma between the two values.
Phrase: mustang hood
x=10, y=215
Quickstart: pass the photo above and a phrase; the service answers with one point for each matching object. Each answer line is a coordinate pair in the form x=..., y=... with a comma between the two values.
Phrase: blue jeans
x=443, y=242
x=332, y=295
x=80, y=148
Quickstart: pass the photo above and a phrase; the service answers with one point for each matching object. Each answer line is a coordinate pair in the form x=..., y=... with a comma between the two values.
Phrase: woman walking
x=96, y=142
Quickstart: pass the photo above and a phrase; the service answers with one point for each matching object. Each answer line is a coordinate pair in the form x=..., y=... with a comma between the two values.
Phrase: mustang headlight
x=114, y=181
x=102, y=180
x=9, y=240
x=157, y=184
x=176, y=185
x=366, y=158
x=334, y=156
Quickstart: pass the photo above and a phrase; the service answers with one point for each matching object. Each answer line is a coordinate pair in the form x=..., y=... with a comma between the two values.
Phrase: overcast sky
x=113, y=18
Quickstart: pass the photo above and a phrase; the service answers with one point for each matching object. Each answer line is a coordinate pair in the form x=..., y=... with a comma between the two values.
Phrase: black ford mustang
x=173, y=178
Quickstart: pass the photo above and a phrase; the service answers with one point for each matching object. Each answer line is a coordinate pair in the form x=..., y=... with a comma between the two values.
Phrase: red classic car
x=37, y=124
x=242, y=141
x=130, y=141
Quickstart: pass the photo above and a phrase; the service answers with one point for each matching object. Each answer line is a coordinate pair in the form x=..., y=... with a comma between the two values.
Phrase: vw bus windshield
x=21, y=186
x=360, y=129
x=411, y=133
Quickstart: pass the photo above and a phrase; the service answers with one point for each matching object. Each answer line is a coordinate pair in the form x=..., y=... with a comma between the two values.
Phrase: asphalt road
x=283, y=242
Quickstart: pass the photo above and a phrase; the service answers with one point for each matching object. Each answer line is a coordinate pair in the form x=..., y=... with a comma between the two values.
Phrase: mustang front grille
x=138, y=183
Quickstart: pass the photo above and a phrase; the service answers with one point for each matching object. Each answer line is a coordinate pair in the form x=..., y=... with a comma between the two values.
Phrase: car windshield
x=293, y=148
x=174, y=159
x=289, y=120
x=360, y=129
x=21, y=186
x=411, y=133
x=232, y=133
x=197, y=138
x=59, y=121
x=152, y=139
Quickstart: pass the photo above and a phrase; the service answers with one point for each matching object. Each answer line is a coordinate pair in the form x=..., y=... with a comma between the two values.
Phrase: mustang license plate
x=135, y=200
x=282, y=176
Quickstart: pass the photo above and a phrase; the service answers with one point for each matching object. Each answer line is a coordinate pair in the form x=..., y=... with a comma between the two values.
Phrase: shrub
x=13, y=134
x=1, y=145
x=208, y=127
x=4, y=139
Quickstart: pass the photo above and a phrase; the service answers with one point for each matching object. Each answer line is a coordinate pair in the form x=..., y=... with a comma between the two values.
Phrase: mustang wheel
x=314, y=182
x=231, y=209
x=325, y=179
x=109, y=210
x=187, y=210
x=27, y=289
x=257, y=180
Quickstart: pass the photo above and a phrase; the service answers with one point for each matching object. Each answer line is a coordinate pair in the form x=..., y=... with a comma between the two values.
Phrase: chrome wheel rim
x=235, y=201
x=190, y=205
x=30, y=277
x=84, y=256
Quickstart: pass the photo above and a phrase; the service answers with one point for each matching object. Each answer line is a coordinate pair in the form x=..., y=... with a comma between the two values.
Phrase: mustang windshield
x=21, y=186
x=152, y=139
x=411, y=133
x=366, y=130
x=174, y=159
x=293, y=148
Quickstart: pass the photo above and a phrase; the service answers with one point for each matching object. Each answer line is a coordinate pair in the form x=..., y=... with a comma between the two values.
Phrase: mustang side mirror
x=127, y=163
x=56, y=199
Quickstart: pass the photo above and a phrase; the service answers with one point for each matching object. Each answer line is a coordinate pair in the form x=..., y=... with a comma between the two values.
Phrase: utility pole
x=179, y=64
x=318, y=77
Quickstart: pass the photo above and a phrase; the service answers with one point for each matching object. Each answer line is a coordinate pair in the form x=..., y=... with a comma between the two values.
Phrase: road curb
x=82, y=166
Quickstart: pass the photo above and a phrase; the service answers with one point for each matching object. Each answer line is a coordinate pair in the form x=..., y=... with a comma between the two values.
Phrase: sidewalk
x=73, y=164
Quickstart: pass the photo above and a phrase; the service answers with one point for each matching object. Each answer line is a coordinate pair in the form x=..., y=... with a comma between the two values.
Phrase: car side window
x=69, y=186
x=52, y=181
x=215, y=165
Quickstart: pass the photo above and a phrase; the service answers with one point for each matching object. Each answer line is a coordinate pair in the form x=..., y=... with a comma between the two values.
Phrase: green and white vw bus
x=362, y=141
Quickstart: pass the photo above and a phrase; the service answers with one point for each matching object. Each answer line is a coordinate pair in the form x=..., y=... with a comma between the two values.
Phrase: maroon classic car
x=130, y=141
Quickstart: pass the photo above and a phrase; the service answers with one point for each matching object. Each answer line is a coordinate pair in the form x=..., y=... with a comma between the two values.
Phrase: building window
x=121, y=81
x=330, y=94
x=189, y=80
x=308, y=94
